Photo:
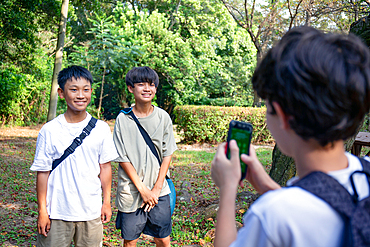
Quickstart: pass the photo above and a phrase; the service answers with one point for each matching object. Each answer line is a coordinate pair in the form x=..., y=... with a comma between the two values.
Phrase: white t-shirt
x=292, y=216
x=74, y=188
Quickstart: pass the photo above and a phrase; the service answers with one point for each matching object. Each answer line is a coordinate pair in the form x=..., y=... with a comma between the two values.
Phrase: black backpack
x=355, y=213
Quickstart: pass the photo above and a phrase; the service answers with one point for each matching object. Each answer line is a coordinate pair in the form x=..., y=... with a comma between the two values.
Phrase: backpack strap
x=76, y=142
x=356, y=215
x=366, y=170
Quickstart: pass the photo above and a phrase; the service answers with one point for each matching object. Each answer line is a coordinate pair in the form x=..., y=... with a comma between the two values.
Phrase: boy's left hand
x=106, y=212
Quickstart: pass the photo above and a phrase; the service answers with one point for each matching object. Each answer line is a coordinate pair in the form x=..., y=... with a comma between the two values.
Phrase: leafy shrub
x=199, y=124
x=24, y=98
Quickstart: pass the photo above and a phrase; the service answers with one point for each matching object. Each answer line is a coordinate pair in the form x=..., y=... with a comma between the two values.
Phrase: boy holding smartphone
x=317, y=91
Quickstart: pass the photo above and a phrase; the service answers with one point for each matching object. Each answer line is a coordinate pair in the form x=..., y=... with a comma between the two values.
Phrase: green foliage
x=24, y=97
x=20, y=20
x=200, y=54
x=108, y=56
x=198, y=124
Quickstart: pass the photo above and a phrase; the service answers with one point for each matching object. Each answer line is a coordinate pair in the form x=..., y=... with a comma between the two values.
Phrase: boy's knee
x=130, y=243
x=162, y=242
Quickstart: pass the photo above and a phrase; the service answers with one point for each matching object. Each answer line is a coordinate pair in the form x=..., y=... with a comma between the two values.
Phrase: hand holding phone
x=241, y=132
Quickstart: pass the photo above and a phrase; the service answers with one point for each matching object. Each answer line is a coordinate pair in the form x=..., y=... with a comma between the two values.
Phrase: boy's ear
x=130, y=89
x=61, y=93
x=283, y=117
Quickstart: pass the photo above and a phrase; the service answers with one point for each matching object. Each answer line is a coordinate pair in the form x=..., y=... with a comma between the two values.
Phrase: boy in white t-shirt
x=317, y=91
x=70, y=196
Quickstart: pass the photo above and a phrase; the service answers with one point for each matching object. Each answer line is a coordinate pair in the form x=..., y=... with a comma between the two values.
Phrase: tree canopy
x=204, y=51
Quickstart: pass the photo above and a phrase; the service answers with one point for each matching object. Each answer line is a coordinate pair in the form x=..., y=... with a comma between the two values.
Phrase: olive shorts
x=83, y=233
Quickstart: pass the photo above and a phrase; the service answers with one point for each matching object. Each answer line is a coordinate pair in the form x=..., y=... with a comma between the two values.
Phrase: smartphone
x=241, y=132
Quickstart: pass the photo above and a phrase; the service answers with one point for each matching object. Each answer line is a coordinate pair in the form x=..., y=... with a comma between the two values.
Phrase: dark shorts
x=156, y=223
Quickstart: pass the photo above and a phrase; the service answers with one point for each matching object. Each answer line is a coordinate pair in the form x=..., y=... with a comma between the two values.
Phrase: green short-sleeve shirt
x=132, y=148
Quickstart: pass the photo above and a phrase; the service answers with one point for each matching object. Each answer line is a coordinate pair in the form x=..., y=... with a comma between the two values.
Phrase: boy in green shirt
x=142, y=194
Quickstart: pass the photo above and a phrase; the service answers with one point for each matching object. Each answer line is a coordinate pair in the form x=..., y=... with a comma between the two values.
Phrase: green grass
x=18, y=206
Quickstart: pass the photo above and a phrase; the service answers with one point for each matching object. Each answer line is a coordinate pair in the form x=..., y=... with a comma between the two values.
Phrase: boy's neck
x=143, y=110
x=312, y=157
x=74, y=117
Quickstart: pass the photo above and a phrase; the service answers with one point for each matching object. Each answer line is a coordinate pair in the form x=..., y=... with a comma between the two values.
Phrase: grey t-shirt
x=132, y=148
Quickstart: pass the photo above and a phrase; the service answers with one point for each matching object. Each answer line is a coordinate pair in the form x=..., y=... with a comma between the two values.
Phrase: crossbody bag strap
x=148, y=140
x=76, y=142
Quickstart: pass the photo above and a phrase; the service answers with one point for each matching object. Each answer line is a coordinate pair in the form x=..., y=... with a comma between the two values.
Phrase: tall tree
x=58, y=61
x=260, y=21
x=108, y=51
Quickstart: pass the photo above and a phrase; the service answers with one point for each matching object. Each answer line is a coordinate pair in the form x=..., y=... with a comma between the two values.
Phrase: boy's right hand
x=256, y=174
x=43, y=223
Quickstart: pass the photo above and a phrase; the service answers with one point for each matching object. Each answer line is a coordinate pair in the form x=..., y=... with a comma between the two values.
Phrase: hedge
x=209, y=124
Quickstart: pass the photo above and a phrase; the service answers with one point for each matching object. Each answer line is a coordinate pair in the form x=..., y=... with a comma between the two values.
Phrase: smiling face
x=77, y=94
x=144, y=92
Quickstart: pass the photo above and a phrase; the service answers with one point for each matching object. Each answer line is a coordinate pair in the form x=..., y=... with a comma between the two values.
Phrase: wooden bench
x=362, y=139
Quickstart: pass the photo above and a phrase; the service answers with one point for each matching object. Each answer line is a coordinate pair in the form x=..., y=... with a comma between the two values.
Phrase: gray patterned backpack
x=355, y=212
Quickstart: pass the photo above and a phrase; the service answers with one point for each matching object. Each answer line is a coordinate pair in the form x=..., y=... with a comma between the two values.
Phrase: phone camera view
x=241, y=132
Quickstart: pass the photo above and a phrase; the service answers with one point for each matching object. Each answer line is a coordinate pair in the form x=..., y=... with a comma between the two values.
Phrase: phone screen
x=241, y=133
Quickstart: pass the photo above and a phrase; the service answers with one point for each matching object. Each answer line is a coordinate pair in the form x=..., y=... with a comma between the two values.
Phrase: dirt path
x=20, y=131
x=34, y=130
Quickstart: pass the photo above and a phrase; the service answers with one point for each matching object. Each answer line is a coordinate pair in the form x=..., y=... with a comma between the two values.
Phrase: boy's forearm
x=132, y=174
x=41, y=190
x=226, y=225
x=106, y=181
x=163, y=172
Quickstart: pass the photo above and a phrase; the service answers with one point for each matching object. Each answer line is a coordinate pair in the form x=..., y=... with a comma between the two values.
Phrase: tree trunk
x=256, y=99
x=308, y=13
x=361, y=29
x=282, y=168
x=123, y=100
x=101, y=93
x=58, y=61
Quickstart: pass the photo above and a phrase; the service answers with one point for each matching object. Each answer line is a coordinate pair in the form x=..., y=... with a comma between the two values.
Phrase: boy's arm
x=157, y=188
x=43, y=221
x=226, y=175
x=162, y=175
x=106, y=184
x=149, y=197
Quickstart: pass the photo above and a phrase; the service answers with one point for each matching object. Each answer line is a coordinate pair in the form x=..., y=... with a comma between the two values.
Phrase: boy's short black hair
x=73, y=71
x=141, y=74
x=321, y=80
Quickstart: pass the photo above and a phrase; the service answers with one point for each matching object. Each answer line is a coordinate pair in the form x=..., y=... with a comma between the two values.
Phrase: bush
x=24, y=98
x=209, y=124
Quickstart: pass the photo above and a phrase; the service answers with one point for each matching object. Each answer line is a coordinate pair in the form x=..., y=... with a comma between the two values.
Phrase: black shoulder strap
x=148, y=140
x=366, y=170
x=76, y=142
x=355, y=216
